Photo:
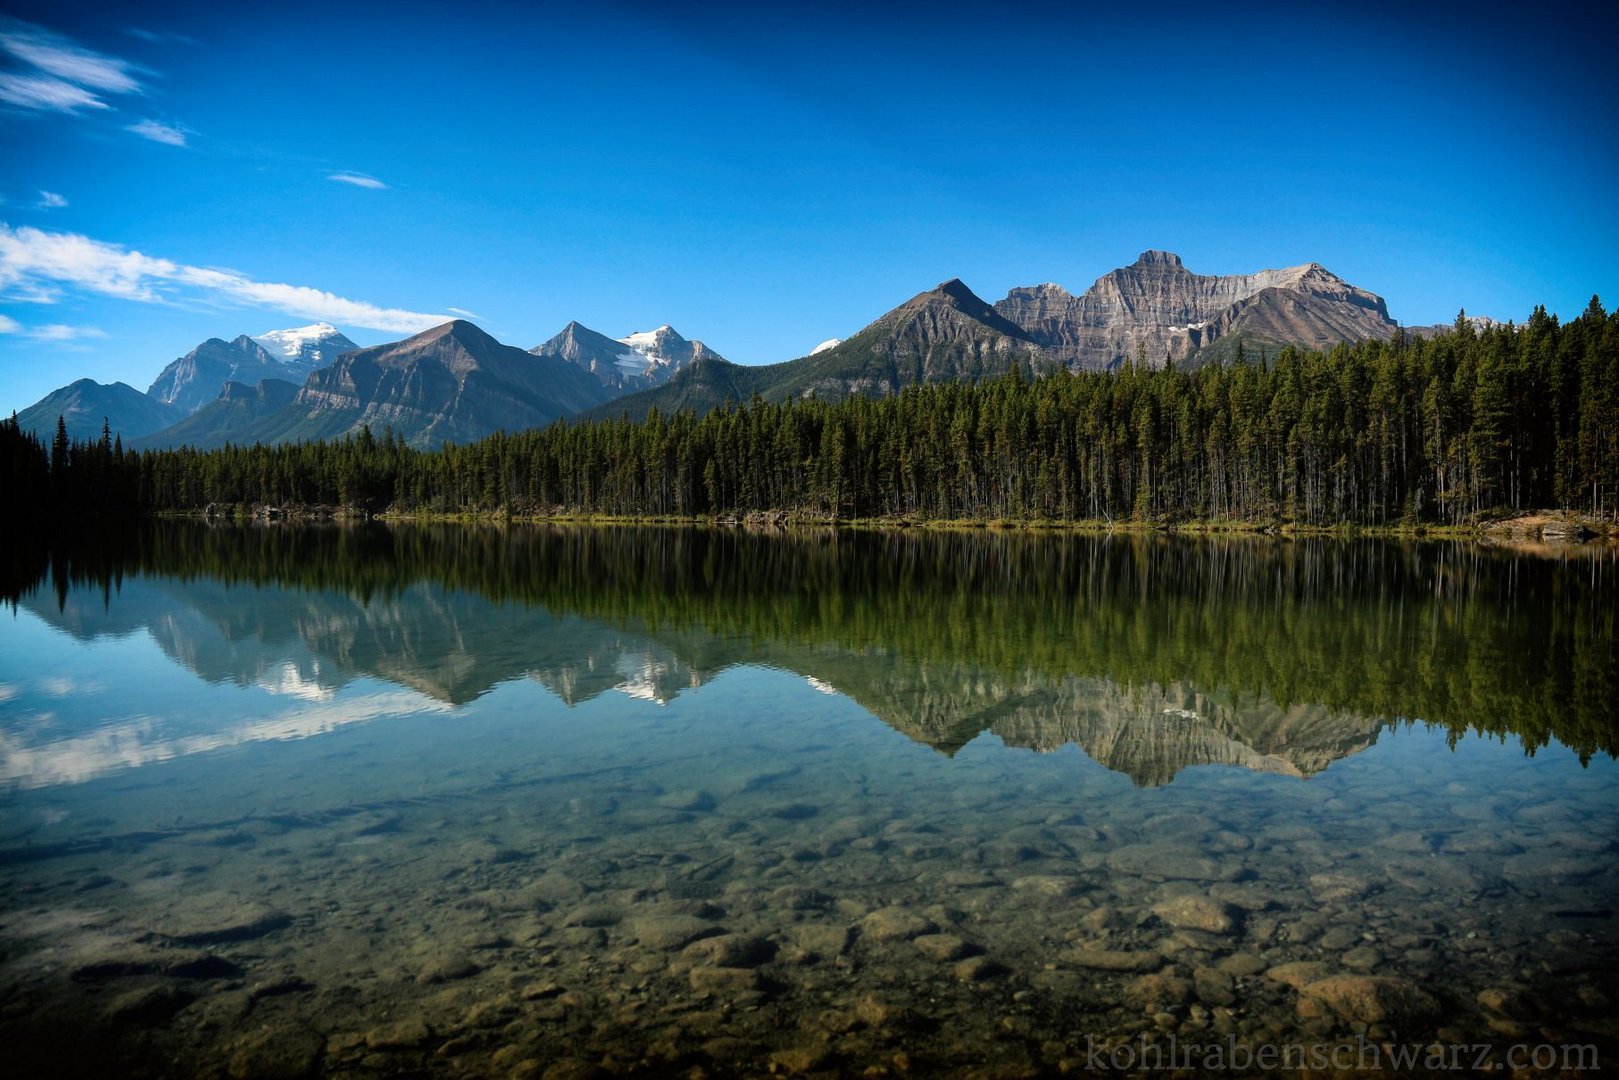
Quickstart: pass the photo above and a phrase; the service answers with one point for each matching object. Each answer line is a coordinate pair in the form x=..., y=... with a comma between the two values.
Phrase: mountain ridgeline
x=1154, y=312
x=453, y=384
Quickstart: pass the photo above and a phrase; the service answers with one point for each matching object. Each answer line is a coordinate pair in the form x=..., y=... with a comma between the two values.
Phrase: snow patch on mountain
x=649, y=339
x=829, y=343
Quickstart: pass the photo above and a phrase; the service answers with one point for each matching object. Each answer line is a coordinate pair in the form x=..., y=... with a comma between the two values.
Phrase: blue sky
x=767, y=176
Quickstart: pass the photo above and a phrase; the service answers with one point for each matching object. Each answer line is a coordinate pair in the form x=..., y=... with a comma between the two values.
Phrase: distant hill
x=1478, y=323
x=83, y=405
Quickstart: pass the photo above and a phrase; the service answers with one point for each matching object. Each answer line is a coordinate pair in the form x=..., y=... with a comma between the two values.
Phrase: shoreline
x=1537, y=529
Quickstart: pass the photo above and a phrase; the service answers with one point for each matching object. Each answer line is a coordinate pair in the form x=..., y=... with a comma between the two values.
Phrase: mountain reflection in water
x=1150, y=654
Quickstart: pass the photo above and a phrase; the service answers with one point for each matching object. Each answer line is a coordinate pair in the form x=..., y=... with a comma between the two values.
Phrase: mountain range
x=455, y=383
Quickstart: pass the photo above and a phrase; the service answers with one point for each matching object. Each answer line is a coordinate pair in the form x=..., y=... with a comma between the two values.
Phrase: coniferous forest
x=1408, y=431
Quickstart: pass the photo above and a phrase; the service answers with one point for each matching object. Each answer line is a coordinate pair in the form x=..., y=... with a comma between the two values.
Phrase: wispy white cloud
x=8, y=325
x=168, y=134
x=67, y=60
x=57, y=74
x=50, y=200
x=48, y=72
x=358, y=180
x=463, y=312
x=44, y=92
x=159, y=37
x=36, y=265
x=61, y=332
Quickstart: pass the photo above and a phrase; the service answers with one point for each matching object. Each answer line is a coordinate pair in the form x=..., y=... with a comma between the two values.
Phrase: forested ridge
x=1412, y=430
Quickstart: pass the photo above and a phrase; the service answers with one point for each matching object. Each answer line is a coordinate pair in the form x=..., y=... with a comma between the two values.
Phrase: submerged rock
x=399, y=1035
x=1368, y=998
x=671, y=931
x=694, y=799
x=1154, y=991
x=447, y=967
x=941, y=946
x=977, y=969
x=149, y=1005
x=219, y=917
x=1298, y=973
x=895, y=924
x=1199, y=913
x=1171, y=863
x=1111, y=960
x=732, y=950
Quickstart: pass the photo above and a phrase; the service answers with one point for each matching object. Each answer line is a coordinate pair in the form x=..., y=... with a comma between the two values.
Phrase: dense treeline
x=1379, y=433
x=1462, y=635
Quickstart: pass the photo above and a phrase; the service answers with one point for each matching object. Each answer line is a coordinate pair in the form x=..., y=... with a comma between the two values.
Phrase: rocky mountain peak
x=1157, y=306
x=1154, y=257
x=956, y=289
x=636, y=361
x=950, y=301
x=455, y=332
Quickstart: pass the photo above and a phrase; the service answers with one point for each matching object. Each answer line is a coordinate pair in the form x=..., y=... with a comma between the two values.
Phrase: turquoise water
x=530, y=803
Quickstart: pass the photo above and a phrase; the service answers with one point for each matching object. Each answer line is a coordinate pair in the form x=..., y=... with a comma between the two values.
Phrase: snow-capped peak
x=316, y=344
x=291, y=342
x=829, y=343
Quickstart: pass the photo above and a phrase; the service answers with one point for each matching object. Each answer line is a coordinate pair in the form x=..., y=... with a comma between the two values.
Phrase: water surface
x=484, y=801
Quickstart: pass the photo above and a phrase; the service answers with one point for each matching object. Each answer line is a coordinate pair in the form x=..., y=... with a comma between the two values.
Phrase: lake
x=562, y=802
